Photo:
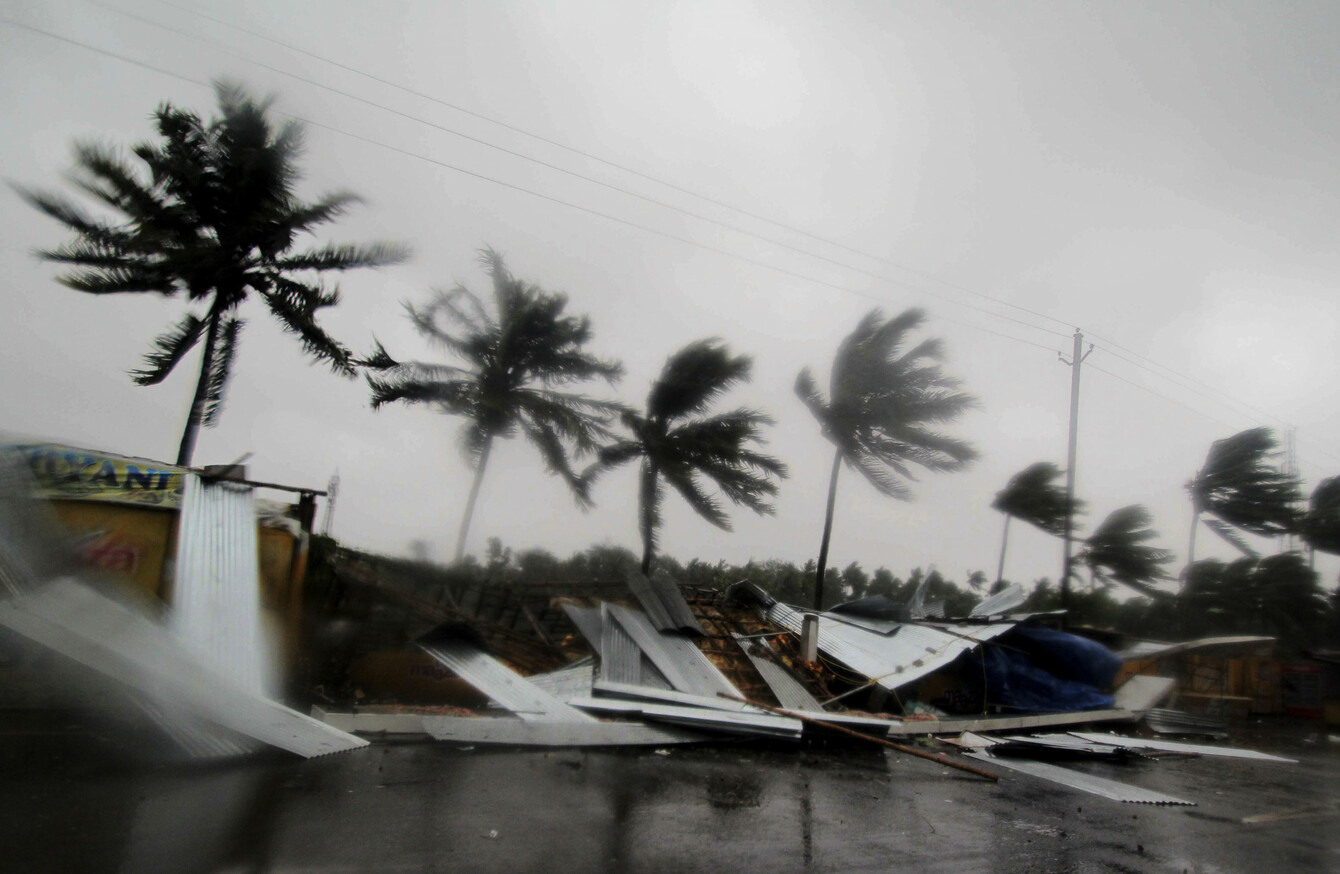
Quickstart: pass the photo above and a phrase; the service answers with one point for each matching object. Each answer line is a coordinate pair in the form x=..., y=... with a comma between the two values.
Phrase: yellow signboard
x=64, y=473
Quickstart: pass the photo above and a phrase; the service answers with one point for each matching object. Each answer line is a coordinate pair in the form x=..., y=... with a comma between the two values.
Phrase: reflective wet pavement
x=73, y=801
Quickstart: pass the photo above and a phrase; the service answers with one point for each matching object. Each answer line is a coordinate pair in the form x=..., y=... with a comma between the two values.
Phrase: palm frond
x=221, y=370
x=1034, y=496
x=1117, y=551
x=1241, y=485
x=295, y=305
x=169, y=349
x=695, y=376
x=345, y=256
x=544, y=437
x=682, y=480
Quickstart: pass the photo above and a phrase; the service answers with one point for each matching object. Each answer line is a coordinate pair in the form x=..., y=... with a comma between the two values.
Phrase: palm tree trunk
x=187, y=448
x=1191, y=544
x=647, y=498
x=1004, y=540
x=828, y=530
x=470, y=501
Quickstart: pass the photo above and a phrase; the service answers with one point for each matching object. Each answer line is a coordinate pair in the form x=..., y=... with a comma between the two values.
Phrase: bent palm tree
x=210, y=212
x=1240, y=486
x=882, y=408
x=679, y=443
x=514, y=361
x=1117, y=551
x=1033, y=496
x=1321, y=525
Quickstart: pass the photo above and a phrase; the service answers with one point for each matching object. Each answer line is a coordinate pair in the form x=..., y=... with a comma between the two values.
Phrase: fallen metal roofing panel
x=764, y=724
x=499, y=682
x=1180, y=722
x=1140, y=743
x=670, y=696
x=569, y=682
x=587, y=621
x=664, y=603
x=1141, y=692
x=1101, y=786
x=915, y=651
x=1002, y=602
x=517, y=732
x=216, y=603
x=622, y=660
x=122, y=645
x=196, y=736
x=1010, y=723
x=1153, y=649
x=682, y=663
x=791, y=695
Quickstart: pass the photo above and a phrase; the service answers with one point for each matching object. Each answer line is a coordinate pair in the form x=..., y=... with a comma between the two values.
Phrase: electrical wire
x=645, y=228
x=503, y=183
x=572, y=173
x=607, y=162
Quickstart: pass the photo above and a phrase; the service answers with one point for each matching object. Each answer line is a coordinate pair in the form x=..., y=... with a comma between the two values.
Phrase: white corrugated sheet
x=125, y=646
x=912, y=652
x=216, y=609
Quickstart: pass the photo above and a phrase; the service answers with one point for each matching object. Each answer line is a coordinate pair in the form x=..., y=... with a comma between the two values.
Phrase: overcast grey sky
x=1162, y=176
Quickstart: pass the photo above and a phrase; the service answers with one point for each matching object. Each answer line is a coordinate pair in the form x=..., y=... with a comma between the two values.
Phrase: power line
x=609, y=163
x=638, y=226
x=500, y=182
x=559, y=169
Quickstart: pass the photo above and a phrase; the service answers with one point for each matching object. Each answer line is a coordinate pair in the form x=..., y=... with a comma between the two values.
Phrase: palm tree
x=1321, y=525
x=515, y=361
x=1240, y=486
x=882, y=408
x=1033, y=496
x=1117, y=551
x=679, y=443
x=208, y=210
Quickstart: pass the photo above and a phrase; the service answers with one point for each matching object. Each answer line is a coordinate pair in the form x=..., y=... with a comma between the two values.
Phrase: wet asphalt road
x=73, y=800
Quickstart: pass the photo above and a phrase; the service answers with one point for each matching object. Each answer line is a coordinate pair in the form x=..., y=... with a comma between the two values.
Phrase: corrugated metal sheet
x=892, y=661
x=623, y=661
x=517, y=732
x=499, y=682
x=1083, y=782
x=197, y=737
x=1140, y=693
x=1168, y=746
x=670, y=696
x=1153, y=649
x=216, y=609
x=587, y=620
x=664, y=603
x=674, y=655
x=1003, y=601
x=126, y=647
x=791, y=695
x=569, y=682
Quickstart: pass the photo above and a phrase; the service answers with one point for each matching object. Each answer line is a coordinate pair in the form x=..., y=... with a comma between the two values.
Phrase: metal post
x=1076, y=359
x=809, y=637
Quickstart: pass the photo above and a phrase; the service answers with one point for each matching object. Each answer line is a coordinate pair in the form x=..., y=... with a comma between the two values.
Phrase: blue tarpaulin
x=1044, y=670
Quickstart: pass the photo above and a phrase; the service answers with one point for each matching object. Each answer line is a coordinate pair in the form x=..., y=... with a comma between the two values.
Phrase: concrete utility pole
x=1074, y=361
x=333, y=490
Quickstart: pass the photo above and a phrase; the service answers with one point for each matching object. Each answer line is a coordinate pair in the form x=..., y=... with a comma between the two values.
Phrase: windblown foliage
x=681, y=444
x=1117, y=551
x=883, y=411
x=208, y=211
x=515, y=361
